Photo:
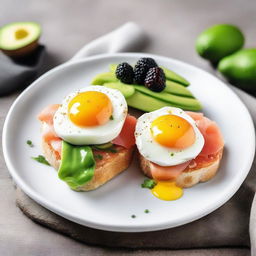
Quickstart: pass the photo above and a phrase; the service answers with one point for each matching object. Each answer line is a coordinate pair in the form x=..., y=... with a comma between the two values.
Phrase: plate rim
x=109, y=227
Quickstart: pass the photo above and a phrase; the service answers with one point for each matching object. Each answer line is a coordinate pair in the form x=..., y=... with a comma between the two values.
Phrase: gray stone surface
x=67, y=26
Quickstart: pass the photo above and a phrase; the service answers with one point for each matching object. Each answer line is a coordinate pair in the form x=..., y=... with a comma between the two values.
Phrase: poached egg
x=168, y=137
x=93, y=115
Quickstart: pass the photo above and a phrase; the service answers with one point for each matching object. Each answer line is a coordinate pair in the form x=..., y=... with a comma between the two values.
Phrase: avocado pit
x=21, y=34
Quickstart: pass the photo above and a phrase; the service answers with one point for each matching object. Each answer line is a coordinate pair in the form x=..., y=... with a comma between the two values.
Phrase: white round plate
x=111, y=206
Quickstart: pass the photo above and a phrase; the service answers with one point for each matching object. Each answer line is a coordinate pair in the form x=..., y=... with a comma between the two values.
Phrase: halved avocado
x=19, y=38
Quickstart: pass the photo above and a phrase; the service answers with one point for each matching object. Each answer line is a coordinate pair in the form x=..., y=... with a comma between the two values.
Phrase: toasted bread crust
x=106, y=169
x=188, y=178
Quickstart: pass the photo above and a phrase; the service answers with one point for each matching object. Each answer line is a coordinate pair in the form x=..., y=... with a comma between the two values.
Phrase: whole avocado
x=240, y=69
x=219, y=41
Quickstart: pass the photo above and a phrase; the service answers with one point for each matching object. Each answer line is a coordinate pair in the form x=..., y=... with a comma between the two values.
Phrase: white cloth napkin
x=129, y=37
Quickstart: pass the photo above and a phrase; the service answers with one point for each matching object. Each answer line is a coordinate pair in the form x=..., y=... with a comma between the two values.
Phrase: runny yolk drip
x=173, y=131
x=167, y=190
x=90, y=108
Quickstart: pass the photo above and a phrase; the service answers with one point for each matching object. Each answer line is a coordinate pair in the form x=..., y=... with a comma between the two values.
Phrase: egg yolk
x=166, y=190
x=173, y=131
x=90, y=108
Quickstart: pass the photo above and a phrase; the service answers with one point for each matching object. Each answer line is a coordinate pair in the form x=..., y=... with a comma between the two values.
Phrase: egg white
x=77, y=135
x=157, y=153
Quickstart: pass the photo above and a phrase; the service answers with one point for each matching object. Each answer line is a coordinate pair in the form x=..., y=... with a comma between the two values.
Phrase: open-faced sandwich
x=177, y=149
x=89, y=138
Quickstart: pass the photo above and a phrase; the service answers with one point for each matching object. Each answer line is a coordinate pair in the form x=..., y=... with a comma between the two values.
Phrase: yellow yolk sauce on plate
x=167, y=190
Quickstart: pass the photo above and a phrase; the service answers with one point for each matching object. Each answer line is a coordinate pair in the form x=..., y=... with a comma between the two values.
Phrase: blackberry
x=141, y=68
x=124, y=72
x=155, y=79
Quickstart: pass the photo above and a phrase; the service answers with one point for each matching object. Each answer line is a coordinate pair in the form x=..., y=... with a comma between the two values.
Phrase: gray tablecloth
x=17, y=74
x=173, y=25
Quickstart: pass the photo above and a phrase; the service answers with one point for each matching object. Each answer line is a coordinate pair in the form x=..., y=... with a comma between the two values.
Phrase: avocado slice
x=171, y=87
x=112, y=68
x=126, y=90
x=145, y=103
x=177, y=89
x=171, y=75
x=19, y=38
x=104, y=78
x=104, y=146
x=173, y=100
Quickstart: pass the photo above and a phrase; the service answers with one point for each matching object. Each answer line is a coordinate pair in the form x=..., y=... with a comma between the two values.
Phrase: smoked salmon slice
x=212, y=135
x=57, y=145
x=49, y=133
x=195, y=115
x=213, y=144
x=126, y=137
x=46, y=115
x=167, y=172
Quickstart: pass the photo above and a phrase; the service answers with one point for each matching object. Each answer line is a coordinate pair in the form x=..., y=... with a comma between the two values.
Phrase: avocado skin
x=240, y=69
x=219, y=41
x=26, y=50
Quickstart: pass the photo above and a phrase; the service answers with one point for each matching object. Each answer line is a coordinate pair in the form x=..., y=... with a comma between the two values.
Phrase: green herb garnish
x=29, y=142
x=99, y=157
x=112, y=150
x=147, y=211
x=148, y=183
x=105, y=148
x=41, y=159
x=133, y=216
x=172, y=154
x=111, y=117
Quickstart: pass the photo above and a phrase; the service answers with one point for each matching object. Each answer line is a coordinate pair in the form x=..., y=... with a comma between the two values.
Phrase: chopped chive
x=29, y=142
x=99, y=157
x=133, y=216
x=112, y=150
x=147, y=211
x=172, y=154
x=111, y=117
x=148, y=183
x=41, y=159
